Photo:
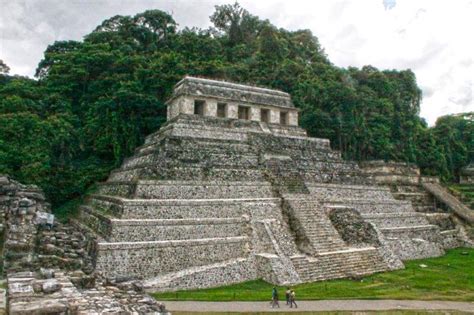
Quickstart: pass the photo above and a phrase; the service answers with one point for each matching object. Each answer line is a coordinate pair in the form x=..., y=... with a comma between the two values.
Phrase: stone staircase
x=426, y=199
x=427, y=196
x=405, y=230
x=351, y=263
x=420, y=199
x=310, y=219
x=327, y=256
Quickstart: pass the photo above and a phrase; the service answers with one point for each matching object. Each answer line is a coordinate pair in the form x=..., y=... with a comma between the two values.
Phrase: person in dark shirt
x=275, y=298
x=287, y=296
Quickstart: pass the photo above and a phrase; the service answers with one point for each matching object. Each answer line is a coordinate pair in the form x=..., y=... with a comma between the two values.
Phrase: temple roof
x=231, y=91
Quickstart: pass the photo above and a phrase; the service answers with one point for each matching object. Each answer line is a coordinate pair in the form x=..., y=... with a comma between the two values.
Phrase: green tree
x=3, y=67
x=455, y=137
x=236, y=23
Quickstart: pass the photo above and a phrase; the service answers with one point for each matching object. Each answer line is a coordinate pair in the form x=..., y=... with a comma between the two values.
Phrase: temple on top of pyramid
x=229, y=100
x=231, y=189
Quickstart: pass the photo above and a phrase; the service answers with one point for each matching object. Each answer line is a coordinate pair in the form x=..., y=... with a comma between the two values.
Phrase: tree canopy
x=95, y=100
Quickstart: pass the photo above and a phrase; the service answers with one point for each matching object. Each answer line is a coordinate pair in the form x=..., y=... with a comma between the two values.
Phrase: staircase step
x=339, y=264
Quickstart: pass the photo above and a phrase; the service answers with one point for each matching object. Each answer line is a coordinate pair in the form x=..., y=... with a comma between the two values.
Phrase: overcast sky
x=433, y=38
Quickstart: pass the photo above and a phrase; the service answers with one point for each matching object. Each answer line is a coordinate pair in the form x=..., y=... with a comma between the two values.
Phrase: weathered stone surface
x=353, y=229
x=18, y=207
x=50, y=286
x=59, y=295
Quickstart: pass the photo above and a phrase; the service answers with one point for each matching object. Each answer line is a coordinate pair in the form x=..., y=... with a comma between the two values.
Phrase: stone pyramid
x=232, y=189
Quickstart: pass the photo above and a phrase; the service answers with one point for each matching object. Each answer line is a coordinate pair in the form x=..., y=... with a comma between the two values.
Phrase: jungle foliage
x=95, y=100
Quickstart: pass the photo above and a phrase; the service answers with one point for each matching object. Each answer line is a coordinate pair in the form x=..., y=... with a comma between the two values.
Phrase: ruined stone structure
x=467, y=174
x=232, y=189
x=427, y=197
x=47, y=265
x=19, y=205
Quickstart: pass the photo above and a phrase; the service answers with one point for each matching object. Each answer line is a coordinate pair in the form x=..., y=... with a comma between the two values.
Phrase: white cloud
x=433, y=38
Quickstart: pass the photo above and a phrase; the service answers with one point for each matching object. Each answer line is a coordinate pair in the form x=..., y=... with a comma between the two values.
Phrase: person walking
x=275, y=298
x=287, y=296
x=292, y=299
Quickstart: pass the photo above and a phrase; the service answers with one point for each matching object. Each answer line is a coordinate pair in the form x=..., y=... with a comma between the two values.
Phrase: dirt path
x=328, y=305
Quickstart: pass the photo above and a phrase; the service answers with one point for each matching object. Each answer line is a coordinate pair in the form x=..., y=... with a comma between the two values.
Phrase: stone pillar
x=255, y=113
x=172, y=109
x=210, y=108
x=274, y=116
x=187, y=105
x=293, y=118
x=232, y=110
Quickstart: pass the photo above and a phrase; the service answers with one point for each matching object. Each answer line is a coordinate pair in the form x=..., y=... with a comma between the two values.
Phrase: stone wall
x=229, y=272
x=354, y=230
x=155, y=258
x=65, y=246
x=392, y=172
x=19, y=209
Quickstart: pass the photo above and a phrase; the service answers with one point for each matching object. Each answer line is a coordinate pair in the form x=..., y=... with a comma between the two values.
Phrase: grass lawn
x=450, y=277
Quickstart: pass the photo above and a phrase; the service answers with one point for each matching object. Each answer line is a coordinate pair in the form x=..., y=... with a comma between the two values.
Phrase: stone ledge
x=201, y=183
x=410, y=228
x=393, y=215
x=369, y=202
x=324, y=142
x=173, y=243
x=347, y=251
x=352, y=187
x=167, y=202
x=348, y=202
x=449, y=232
x=171, y=222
